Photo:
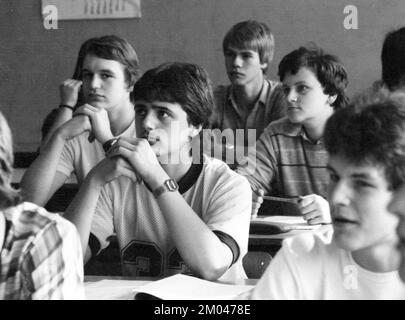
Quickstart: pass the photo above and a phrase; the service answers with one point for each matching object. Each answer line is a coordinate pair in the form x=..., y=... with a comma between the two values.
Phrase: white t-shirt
x=309, y=266
x=79, y=156
x=219, y=196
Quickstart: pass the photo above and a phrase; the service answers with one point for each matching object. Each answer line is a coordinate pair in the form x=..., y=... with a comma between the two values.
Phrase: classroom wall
x=33, y=61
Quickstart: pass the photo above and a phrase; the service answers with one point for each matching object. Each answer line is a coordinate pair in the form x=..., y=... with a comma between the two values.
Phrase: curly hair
x=371, y=130
x=327, y=68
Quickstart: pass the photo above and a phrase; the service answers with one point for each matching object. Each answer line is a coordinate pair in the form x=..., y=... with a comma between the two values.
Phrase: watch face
x=171, y=184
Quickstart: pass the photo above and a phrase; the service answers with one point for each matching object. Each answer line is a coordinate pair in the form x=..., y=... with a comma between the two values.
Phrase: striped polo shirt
x=287, y=162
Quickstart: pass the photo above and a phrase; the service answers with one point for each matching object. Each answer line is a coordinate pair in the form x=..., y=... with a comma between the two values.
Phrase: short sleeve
x=52, y=268
x=102, y=225
x=228, y=211
x=67, y=158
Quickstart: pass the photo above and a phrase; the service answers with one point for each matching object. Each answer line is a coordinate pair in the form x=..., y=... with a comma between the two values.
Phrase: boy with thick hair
x=41, y=256
x=108, y=69
x=290, y=157
x=170, y=214
x=251, y=101
x=367, y=162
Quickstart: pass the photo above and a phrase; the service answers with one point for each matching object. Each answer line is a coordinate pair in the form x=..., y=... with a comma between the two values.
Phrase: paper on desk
x=294, y=222
x=182, y=287
x=112, y=289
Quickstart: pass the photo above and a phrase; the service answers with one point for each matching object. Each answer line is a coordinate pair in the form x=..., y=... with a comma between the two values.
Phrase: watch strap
x=109, y=143
x=169, y=185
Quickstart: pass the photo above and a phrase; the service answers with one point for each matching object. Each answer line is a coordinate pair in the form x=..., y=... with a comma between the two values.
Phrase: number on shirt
x=145, y=259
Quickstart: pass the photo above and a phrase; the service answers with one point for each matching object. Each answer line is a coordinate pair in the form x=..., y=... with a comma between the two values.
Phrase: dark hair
x=393, y=58
x=183, y=83
x=253, y=35
x=110, y=47
x=371, y=130
x=327, y=68
x=8, y=196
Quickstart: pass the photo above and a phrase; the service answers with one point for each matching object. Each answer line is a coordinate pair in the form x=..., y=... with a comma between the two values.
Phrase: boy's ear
x=264, y=65
x=332, y=99
x=194, y=131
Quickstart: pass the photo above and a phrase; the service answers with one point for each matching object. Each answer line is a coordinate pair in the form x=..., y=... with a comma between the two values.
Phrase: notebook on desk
x=269, y=225
x=183, y=287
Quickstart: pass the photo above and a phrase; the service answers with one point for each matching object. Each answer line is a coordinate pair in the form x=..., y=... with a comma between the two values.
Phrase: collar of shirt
x=260, y=102
x=295, y=130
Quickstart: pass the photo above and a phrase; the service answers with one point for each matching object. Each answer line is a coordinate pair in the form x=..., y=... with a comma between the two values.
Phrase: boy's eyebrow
x=102, y=70
x=328, y=167
x=161, y=108
x=361, y=175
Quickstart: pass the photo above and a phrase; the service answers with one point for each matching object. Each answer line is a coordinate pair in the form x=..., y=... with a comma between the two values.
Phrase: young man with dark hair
x=41, y=255
x=366, y=145
x=290, y=158
x=251, y=101
x=170, y=214
x=108, y=68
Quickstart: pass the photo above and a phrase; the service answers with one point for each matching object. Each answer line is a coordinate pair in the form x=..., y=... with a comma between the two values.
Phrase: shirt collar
x=295, y=130
x=262, y=97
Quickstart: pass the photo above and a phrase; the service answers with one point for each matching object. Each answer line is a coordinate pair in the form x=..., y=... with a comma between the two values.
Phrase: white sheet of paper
x=112, y=289
x=182, y=287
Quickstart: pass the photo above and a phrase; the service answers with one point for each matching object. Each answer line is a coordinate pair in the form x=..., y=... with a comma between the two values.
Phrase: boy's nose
x=95, y=82
x=237, y=61
x=397, y=204
x=292, y=96
x=149, y=121
x=339, y=194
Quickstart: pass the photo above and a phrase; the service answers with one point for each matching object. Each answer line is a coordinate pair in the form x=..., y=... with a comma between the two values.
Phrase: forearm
x=63, y=115
x=200, y=248
x=81, y=210
x=37, y=182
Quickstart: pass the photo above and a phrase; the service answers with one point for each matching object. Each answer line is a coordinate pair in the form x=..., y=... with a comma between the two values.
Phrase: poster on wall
x=93, y=9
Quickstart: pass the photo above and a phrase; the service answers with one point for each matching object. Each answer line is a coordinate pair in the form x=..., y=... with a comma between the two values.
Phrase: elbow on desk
x=211, y=272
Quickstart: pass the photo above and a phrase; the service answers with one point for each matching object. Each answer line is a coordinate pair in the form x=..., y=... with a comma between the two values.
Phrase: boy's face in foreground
x=359, y=196
x=104, y=83
x=305, y=96
x=243, y=66
x=168, y=123
x=397, y=206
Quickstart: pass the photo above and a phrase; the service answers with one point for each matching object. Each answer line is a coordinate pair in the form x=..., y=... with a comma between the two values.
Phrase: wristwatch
x=169, y=185
x=109, y=143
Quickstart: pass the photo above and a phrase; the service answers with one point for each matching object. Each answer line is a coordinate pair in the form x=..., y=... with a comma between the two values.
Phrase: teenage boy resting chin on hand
x=169, y=212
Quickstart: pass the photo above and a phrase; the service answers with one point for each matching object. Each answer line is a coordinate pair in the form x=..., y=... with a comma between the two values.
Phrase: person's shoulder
x=307, y=245
x=29, y=218
x=219, y=171
x=281, y=125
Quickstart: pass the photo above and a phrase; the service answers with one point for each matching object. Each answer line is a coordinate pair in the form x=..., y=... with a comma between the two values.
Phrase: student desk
x=272, y=243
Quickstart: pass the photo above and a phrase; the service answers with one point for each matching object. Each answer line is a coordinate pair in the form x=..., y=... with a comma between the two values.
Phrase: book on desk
x=271, y=225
